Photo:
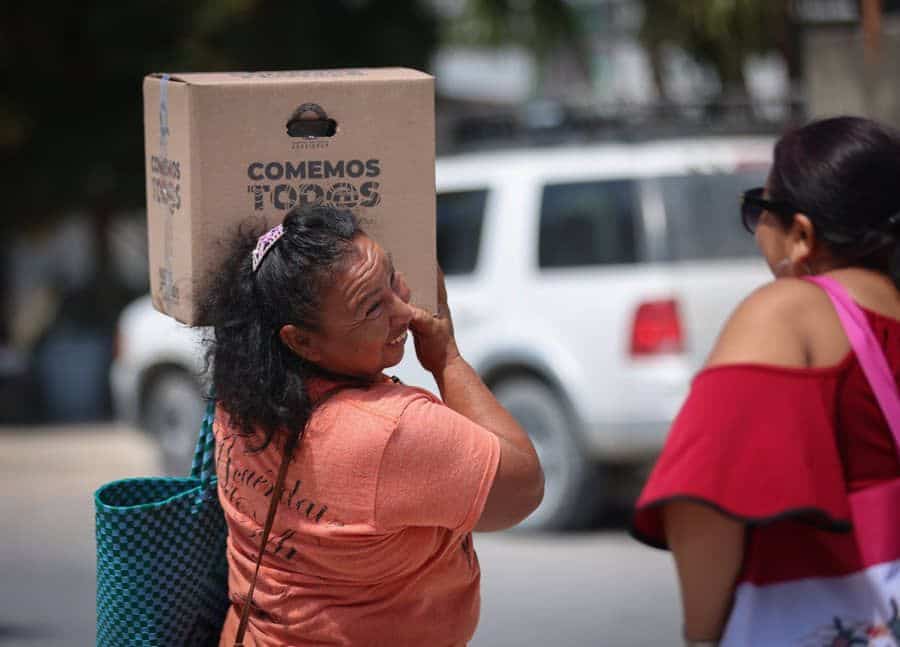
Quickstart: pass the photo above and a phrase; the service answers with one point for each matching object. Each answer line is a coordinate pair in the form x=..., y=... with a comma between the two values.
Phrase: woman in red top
x=781, y=424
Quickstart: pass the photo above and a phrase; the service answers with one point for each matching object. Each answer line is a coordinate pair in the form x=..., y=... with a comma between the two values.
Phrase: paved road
x=579, y=589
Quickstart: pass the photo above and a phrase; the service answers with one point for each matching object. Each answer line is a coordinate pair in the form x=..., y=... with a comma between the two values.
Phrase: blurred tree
x=540, y=26
x=70, y=103
x=871, y=23
x=721, y=34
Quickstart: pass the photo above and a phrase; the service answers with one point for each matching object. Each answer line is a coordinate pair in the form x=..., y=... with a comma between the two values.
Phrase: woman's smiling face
x=364, y=317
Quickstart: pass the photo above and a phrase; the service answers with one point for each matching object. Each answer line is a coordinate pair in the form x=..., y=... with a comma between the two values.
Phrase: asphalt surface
x=564, y=589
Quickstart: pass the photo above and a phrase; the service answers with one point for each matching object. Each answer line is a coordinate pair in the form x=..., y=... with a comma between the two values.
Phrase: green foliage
x=70, y=106
x=538, y=25
x=720, y=33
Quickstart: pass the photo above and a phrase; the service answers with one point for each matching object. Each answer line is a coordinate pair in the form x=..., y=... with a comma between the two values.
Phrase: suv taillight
x=657, y=329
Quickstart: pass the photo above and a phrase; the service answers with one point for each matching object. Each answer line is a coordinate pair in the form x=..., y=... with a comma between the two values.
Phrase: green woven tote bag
x=162, y=575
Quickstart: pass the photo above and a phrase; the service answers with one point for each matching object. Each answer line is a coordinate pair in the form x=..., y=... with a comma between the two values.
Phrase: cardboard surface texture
x=219, y=154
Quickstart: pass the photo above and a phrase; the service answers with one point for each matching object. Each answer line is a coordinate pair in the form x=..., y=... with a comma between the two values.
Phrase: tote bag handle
x=203, y=466
x=867, y=349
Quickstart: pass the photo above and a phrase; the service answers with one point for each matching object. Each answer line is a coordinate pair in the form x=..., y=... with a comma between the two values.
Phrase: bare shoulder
x=769, y=326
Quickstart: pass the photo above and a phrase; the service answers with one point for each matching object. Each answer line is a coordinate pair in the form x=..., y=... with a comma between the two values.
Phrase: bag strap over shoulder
x=290, y=445
x=867, y=349
x=289, y=448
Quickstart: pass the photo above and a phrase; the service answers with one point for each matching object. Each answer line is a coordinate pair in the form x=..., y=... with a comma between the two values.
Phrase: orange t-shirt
x=372, y=543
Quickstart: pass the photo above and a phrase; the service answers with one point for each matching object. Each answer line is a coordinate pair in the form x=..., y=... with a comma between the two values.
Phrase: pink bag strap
x=868, y=351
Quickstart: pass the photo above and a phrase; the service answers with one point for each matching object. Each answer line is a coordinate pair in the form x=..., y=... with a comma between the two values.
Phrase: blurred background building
x=508, y=72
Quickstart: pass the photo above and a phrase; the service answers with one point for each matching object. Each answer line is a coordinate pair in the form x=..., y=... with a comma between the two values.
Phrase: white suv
x=587, y=285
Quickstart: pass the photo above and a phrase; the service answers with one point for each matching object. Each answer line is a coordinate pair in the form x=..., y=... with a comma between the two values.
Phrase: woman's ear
x=299, y=341
x=801, y=240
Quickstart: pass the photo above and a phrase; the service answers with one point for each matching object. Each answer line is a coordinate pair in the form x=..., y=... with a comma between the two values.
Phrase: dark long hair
x=844, y=174
x=258, y=380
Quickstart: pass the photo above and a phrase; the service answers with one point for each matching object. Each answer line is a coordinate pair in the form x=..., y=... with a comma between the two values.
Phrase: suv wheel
x=172, y=412
x=568, y=474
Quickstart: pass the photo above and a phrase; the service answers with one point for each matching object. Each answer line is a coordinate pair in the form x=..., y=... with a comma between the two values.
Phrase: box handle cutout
x=310, y=121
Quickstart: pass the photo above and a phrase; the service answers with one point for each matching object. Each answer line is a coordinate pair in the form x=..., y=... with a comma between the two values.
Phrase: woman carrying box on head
x=779, y=485
x=378, y=485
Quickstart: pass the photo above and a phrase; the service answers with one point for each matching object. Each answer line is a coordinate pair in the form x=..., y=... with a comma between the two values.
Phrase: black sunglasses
x=753, y=204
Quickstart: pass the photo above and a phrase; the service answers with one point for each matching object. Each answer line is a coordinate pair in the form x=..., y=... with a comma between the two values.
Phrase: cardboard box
x=227, y=148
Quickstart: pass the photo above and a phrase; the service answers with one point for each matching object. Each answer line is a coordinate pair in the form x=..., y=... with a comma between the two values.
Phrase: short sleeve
x=437, y=469
x=755, y=443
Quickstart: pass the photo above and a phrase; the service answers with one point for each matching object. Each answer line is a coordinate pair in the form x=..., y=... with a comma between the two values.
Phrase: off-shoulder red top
x=778, y=448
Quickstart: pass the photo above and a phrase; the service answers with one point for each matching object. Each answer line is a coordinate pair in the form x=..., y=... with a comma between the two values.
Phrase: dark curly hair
x=844, y=174
x=258, y=380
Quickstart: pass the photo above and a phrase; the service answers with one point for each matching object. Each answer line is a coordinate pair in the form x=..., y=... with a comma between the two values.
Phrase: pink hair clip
x=265, y=243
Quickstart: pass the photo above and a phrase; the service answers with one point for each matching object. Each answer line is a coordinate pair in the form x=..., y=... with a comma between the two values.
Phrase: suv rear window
x=460, y=215
x=588, y=223
x=702, y=215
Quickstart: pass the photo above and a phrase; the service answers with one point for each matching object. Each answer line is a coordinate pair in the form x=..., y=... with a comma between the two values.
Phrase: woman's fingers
x=401, y=287
x=442, y=287
x=422, y=320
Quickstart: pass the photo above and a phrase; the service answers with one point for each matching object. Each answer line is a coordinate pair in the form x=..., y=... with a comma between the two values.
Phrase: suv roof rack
x=548, y=124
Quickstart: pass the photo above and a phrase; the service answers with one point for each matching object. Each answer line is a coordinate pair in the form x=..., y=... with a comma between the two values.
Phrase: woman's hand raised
x=433, y=333
x=518, y=486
